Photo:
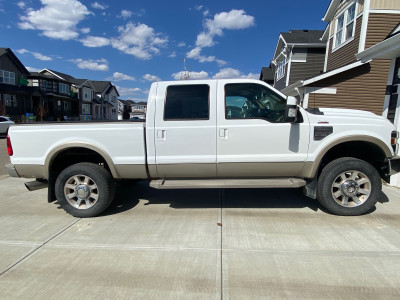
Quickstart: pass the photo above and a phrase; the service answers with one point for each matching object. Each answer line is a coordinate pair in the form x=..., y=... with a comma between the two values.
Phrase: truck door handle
x=223, y=133
x=161, y=135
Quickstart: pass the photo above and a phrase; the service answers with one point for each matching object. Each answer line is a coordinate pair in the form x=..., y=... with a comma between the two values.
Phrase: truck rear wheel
x=349, y=187
x=84, y=190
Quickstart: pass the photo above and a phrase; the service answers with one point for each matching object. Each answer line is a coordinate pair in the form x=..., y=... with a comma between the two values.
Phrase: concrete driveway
x=197, y=244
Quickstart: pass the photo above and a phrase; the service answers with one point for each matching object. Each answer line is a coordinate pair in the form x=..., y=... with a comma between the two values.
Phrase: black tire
x=349, y=178
x=93, y=193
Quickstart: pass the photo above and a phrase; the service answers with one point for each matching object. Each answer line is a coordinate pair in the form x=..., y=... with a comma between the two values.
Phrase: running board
x=227, y=183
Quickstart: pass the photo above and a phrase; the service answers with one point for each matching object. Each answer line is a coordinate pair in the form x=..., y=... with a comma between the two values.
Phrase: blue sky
x=133, y=43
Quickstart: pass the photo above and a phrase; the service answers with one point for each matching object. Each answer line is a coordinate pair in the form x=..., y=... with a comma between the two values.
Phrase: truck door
x=253, y=138
x=185, y=130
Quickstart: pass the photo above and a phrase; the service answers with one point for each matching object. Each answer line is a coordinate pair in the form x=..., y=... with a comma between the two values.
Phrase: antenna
x=186, y=74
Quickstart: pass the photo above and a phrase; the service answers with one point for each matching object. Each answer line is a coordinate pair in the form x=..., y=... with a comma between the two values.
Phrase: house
x=58, y=100
x=389, y=48
x=139, y=110
x=351, y=78
x=16, y=97
x=106, y=100
x=299, y=54
x=80, y=89
x=86, y=93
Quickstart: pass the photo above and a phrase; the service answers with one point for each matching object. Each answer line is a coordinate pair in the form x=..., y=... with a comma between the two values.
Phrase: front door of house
x=393, y=111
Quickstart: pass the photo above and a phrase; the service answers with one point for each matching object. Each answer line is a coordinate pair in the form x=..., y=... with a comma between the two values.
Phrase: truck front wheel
x=84, y=190
x=349, y=187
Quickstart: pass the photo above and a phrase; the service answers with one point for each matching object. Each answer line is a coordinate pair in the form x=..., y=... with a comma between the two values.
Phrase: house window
x=35, y=82
x=187, y=102
x=11, y=100
x=67, y=105
x=63, y=88
x=7, y=77
x=280, y=71
x=113, y=99
x=114, y=111
x=86, y=109
x=344, y=30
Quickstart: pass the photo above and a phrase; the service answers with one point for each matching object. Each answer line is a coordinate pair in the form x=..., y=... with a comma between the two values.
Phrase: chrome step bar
x=227, y=183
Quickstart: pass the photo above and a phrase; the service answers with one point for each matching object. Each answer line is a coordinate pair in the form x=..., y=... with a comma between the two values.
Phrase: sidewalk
x=166, y=244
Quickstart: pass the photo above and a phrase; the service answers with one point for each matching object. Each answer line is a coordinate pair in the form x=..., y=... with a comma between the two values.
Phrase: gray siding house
x=299, y=54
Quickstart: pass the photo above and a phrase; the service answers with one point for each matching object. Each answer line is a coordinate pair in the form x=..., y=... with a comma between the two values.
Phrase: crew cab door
x=253, y=138
x=185, y=129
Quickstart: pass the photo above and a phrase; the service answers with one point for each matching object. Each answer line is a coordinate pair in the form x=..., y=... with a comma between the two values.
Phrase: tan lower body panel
x=131, y=171
x=269, y=169
x=187, y=171
x=31, y=171
x=227, y=170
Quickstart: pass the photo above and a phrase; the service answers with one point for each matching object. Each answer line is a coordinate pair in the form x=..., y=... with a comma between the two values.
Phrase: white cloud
x=196, y=54
x=126, y=14
x=230, y=73
x=139, y=40
x=127, y=92
x=57, y=19
x=232, y=20
x=85, y=30
x=95, y=41
x=36, y=55
x=22, y=51
x=30, y=69
x=97, y=5
x=117, y=76
x=172, y=55
x=151, y=78
x=91, y=64
x=40, y=56
x=21, y=4
x=190, y=75
x=182, y=44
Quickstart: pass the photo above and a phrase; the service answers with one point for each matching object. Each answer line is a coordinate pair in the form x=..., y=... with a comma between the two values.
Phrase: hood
x=347, y=116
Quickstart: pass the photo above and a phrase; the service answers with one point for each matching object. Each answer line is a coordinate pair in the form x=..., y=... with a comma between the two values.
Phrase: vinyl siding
x=361, y=88
x=8, y=64
x=379, y=27
x=313, y=66
x=346, y=54
x=385, y=4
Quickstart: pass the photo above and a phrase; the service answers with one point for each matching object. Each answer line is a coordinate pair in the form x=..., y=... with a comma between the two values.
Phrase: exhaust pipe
x=36, y=185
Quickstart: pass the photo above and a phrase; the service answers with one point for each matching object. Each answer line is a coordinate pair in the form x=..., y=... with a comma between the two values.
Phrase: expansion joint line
x=25, y=257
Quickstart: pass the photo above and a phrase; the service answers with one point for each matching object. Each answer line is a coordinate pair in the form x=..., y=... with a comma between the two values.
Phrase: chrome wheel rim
x=81, y=191
x=351, y=188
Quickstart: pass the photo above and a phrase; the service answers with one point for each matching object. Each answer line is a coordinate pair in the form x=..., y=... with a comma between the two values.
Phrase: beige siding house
x=348, y=81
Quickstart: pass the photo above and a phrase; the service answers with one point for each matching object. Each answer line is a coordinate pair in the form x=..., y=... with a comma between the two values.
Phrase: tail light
x=9, y=146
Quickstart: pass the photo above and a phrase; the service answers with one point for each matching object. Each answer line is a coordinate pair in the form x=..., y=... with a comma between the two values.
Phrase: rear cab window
x=187, y=102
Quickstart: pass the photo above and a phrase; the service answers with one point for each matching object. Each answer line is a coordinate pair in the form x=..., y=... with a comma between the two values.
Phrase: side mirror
x=291, y=110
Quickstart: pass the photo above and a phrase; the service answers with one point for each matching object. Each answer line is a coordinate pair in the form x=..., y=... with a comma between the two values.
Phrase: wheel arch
x=77, y=152
x=362, y=147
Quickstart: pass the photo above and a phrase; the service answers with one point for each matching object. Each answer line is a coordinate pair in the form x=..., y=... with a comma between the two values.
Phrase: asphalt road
x=4, y=158
x=197, y=244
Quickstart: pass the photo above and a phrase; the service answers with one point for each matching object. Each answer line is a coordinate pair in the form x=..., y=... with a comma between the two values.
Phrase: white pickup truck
x=213, y=134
